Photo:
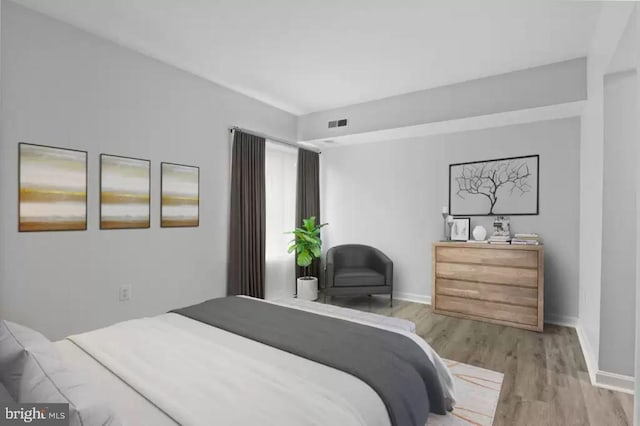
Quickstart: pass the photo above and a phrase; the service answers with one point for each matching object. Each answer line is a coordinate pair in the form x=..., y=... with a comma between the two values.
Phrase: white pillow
x=14, y=341
x=5, y=398
x=46, y=379
x=32, y=372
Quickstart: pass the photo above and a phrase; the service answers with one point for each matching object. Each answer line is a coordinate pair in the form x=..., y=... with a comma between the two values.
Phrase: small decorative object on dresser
x=493, y=283
x=502, y=226
x=449, y=224
x=479, y=233
x=445, y=217
x=501, y=231
x=526, y=240
x=460, y=228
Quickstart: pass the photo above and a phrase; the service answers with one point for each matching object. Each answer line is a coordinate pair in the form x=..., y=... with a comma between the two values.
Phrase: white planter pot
x=308, y=288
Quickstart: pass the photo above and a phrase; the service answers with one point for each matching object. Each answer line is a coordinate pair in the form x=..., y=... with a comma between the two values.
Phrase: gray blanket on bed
x=392, y=364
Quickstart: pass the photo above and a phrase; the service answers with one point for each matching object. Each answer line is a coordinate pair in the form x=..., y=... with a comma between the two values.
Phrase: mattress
x=133, y=397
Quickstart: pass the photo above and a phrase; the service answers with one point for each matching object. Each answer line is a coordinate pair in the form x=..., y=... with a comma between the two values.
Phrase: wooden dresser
x=502, y=284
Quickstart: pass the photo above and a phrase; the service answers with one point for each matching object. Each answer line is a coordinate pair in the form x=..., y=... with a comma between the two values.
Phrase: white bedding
x=348, y=314
x=221, y=375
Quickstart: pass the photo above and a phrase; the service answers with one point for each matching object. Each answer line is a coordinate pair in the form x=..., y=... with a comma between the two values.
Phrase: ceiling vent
x=338, y=123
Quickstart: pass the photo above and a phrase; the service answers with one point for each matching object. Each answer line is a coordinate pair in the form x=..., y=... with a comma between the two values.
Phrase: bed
x=174, y=369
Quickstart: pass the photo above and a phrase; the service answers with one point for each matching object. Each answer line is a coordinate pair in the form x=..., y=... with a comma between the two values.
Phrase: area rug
x=477, y=393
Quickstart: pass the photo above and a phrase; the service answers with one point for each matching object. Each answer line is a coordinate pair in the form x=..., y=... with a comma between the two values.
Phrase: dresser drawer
x=523, y=296
x=488, y=274
x=488, y=310
x=484, y=256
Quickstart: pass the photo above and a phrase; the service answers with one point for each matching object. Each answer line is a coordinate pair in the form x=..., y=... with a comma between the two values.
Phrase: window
x=280, y=190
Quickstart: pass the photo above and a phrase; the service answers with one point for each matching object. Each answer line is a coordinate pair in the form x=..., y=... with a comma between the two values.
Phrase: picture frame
x=125, y=192
x=461, y=229
x=179, y=195
x=475, y=191
x=52, y=188
x=502, y=226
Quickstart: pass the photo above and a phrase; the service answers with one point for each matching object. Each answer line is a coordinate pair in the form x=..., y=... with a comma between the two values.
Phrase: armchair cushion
x=357, y=276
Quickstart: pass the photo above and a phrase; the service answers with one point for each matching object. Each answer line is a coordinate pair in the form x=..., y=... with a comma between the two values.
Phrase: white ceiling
x=305, y=56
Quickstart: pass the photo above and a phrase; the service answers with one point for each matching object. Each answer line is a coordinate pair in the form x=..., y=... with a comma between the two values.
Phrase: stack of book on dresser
x=500, y=239
x=526, y=239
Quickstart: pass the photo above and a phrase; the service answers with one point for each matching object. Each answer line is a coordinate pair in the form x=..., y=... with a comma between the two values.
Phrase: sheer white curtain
x=280, y=173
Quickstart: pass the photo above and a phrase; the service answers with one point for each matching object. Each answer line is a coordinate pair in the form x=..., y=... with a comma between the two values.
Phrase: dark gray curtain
x=308, y=197
x=247, y=222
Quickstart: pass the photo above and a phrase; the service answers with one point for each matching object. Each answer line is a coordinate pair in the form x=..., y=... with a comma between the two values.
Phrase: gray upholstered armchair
x=355, y=269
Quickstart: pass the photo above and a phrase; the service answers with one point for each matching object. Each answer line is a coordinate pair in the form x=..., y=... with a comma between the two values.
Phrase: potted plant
x=308, y=246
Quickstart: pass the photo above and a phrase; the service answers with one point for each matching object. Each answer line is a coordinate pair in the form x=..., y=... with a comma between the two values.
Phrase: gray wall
x=535, y=87
x=617, y=300
x=64, y=87
x=390, y=195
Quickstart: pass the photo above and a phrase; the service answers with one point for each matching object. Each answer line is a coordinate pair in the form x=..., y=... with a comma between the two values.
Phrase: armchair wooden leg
x=391, y=299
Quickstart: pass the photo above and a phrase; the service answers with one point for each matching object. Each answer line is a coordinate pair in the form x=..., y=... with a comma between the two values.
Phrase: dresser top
x=488, y=246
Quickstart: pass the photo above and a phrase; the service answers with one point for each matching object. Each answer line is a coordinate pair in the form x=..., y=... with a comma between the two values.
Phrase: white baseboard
x=412, y=297
x=589, y=356
x=600, y=378
x=562, y=320
x=614, y=381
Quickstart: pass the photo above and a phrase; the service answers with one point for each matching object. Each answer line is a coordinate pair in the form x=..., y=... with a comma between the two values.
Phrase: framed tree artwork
x=180, y=196
x=502, y=187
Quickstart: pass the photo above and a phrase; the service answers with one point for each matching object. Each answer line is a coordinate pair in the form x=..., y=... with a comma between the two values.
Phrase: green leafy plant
x=307, y=243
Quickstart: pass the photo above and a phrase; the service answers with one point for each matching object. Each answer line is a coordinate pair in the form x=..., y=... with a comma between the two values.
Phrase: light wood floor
x=545, y=375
